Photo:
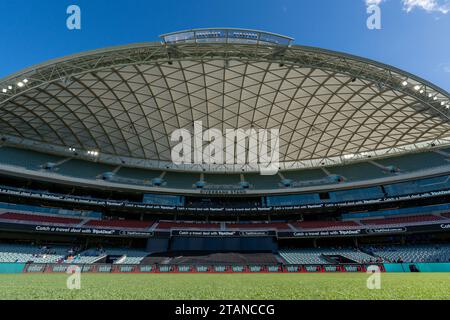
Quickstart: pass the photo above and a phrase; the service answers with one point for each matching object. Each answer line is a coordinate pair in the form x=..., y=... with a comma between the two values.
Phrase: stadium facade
x=87, y=175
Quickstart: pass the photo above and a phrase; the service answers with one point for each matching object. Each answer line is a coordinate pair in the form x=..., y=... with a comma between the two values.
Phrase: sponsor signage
x=70, y=230
x=366, y=232
x=137, y=205
x=387, y=230
x=318, y=234
x=75, y=230
x=222, y=192
x=206, y=233
x=108, y=268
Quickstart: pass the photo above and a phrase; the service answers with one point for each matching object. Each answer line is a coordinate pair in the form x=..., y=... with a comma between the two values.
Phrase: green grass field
x=224, y=286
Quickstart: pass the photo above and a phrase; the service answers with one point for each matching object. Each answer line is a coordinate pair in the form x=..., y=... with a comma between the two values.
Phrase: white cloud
x=445, y=67
x=373, y=2
x=441, y=6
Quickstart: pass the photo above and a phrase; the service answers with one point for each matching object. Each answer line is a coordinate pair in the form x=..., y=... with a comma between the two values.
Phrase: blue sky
x=414, y=36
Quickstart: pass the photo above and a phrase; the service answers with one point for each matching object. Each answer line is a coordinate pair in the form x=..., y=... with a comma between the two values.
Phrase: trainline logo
x=258, y=148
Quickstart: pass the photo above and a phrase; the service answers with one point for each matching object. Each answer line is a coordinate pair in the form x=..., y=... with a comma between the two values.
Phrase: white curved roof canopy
x=125, y=102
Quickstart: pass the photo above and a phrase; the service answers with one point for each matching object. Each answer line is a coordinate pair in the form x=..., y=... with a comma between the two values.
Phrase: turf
x=226, y=286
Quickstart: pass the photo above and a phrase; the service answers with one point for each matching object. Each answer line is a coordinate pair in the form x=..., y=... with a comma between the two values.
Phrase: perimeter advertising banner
x=74, y=230
x=220, y=234
x=204, y=233
x=366, y=232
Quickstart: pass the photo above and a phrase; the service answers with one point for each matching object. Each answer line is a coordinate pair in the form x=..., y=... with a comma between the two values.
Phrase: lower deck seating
x=86, y=257
x=19, y=253
x=78, y=259
x=295, y=256
x=38, y=218
x=122, y=255
x=319, y=256
x=131, y=260
x=411, y=253
x=156, y=259
x=126, y=256
x=29, y=253
x=205, y=258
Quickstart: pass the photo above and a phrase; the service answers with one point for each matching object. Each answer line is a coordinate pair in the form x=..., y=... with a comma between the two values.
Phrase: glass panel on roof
x=211, y=36
x=180, y=37
x=266, y=38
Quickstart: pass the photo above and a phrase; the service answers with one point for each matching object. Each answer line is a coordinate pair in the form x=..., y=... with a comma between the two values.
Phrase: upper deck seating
x=28, y=159
x=358, y=171
x=138, y=174
x=263, y=182
x=181, y=180
x=414, y=161
x=83, y=169
x=218, y=180
x=418, y=186
x=305, y=174
x=293, y=199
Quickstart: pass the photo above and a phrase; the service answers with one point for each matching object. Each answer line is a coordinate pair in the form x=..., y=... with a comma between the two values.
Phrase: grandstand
x=49, y=255
x=411, y=253
x=323, y=256
x=363, y=173
x=28, y=253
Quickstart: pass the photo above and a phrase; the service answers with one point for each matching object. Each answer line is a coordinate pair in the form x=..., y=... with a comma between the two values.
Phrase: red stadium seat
x=324, y=224
x=187, y=225
x=274, y=225
x=38, y=218
x=400, y=220
x=126, y=224
x=446, y=215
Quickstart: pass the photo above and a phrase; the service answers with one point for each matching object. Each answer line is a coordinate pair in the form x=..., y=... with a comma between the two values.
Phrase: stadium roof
x=124, y=102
